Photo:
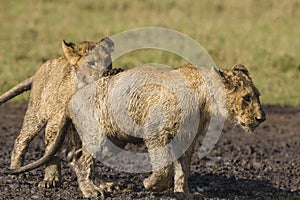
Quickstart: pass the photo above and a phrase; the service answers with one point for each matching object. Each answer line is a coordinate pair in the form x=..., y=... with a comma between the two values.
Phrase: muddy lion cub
x=185, y=96
x=51, y=88
x=100, y=111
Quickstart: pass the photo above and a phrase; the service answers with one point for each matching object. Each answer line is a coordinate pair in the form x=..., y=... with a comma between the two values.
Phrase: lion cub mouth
x=248, y=127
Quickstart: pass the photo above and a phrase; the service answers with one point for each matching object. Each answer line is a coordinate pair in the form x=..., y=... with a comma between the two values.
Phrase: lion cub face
x=89, y=59
x=242, y=102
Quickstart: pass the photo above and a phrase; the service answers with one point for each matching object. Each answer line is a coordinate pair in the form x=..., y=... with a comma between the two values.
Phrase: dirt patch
x=242, y=165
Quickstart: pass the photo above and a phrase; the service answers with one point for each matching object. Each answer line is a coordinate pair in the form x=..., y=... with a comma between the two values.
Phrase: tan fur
x=242, y=106
x=52, y=87
x=94, y=99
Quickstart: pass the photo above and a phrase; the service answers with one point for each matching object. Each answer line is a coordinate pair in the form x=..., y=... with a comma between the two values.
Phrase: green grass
x=262, y=35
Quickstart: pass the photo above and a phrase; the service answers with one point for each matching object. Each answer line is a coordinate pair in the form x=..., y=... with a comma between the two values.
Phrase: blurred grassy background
x=262, y=35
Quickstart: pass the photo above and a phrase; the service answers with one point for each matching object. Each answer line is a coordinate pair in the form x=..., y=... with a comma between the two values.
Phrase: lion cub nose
x=261, y=118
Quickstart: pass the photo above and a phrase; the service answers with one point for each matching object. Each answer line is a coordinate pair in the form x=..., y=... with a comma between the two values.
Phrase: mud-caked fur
x=158, y=86
x=51, y=88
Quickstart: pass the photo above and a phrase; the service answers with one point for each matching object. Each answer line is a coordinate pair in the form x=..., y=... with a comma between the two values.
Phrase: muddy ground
x=263, y=165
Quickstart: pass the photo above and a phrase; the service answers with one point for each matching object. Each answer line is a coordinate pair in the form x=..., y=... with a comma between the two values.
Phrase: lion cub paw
x=153, y=183
x=49, y=183
x=89, y=189
x=52, y=176
x=108, y=186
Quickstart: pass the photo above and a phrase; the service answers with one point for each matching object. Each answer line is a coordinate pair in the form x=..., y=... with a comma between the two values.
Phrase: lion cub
x=51, y=88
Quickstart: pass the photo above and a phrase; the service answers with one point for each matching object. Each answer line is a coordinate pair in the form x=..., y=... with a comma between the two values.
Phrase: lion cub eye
x=247, y=99
x=92, y=64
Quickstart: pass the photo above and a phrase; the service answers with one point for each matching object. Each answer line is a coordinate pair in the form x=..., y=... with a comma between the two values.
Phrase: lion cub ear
x=224, y=75
x=240, y=68
x=69, y=49
x=218, y=72
x=107, y=44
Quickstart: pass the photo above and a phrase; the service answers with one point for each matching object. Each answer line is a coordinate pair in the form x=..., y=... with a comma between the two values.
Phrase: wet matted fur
x=242, y=107
x=51, y=88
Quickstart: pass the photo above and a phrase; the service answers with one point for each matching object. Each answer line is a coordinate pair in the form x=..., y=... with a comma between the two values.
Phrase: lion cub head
x=242, y=101
x=89, y=60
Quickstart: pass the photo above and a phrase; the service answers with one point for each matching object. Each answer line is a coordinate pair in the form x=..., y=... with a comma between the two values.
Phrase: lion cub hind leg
x=30, y=129
x=52, y=176
x=182, y=171
x=161, y=177
x=159, y=180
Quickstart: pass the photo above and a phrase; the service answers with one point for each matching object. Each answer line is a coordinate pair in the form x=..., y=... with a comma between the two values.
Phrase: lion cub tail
x=16, y=90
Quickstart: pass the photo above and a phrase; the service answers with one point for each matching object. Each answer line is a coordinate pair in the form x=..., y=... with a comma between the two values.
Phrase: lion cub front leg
x=82, y=164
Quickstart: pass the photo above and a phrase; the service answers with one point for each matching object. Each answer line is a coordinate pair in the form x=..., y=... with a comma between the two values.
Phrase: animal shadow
x=214, y=186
